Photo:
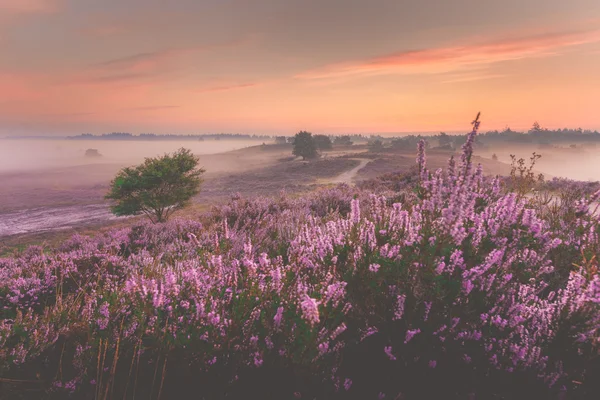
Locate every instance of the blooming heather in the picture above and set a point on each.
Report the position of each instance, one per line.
(462, 273)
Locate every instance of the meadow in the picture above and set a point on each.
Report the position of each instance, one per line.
(444, 283)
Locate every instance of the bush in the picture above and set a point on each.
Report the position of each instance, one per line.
(92, 153)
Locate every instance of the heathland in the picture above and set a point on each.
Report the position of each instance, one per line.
(370, 273)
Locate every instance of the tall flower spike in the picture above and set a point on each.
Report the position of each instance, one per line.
(421, 160)
(467, 148)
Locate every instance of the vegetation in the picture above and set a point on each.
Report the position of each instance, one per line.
(376, 146)
(343, 141)
(444, 140)
(452, 286)
(304, 145)
(158, 187)
(92, 153)
(323, 142)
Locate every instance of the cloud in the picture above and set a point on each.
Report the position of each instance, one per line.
(20, 86)
(474, 77)
(227, 87)
(151, 108)
(103, 31)
(116, 78)
(66, 115)
(29, 6)
(452, 58)
(147, 65)
(136, 68)
(142, 62)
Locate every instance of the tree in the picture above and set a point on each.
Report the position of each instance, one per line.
(536, 127)
(280, 140)
(444, 139)
(92, 153)
(494, 157)
(304, 145)
(158, 187)
(343, 140)
(376, 146)
(323, 142)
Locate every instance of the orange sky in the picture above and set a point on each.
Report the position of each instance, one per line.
(279, 66)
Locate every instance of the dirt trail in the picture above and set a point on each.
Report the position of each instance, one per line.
(49, 218)
(348, 176)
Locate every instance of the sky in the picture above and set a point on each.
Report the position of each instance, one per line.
(280, 66)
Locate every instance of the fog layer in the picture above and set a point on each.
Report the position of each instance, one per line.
(28, 155)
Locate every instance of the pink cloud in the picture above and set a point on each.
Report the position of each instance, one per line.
(103, 31)
(151, 108)
(132, 69)
(144, 66)
(474, 77)
(19, 87)
(451, 58)
(29, 6)
(227, 87)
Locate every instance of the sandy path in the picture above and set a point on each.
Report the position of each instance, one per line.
(49, 219)
(349, 175)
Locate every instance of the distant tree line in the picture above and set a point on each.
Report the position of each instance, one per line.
(536, 135)
(153, 136)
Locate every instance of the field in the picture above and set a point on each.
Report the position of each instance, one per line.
(51, 204)
(456, 286)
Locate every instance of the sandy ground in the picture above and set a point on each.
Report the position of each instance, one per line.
(349, 176)
(52, 218)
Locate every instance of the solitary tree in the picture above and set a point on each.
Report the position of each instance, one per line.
(304, 145)
(323, 142)
(158, 187)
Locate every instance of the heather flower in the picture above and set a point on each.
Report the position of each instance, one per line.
(310, 310)
(374, 267)
(355, 211)
(388, 352)
(104, 316)
(410, 334)
(399, 307)
(347, 384)
(427, 310)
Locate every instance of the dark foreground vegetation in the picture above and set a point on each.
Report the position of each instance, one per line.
(450, 285)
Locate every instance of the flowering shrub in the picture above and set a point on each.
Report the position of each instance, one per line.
(342, 293)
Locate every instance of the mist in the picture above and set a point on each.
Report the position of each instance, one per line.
(47, 180)
(29, 155)
(579, 163)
